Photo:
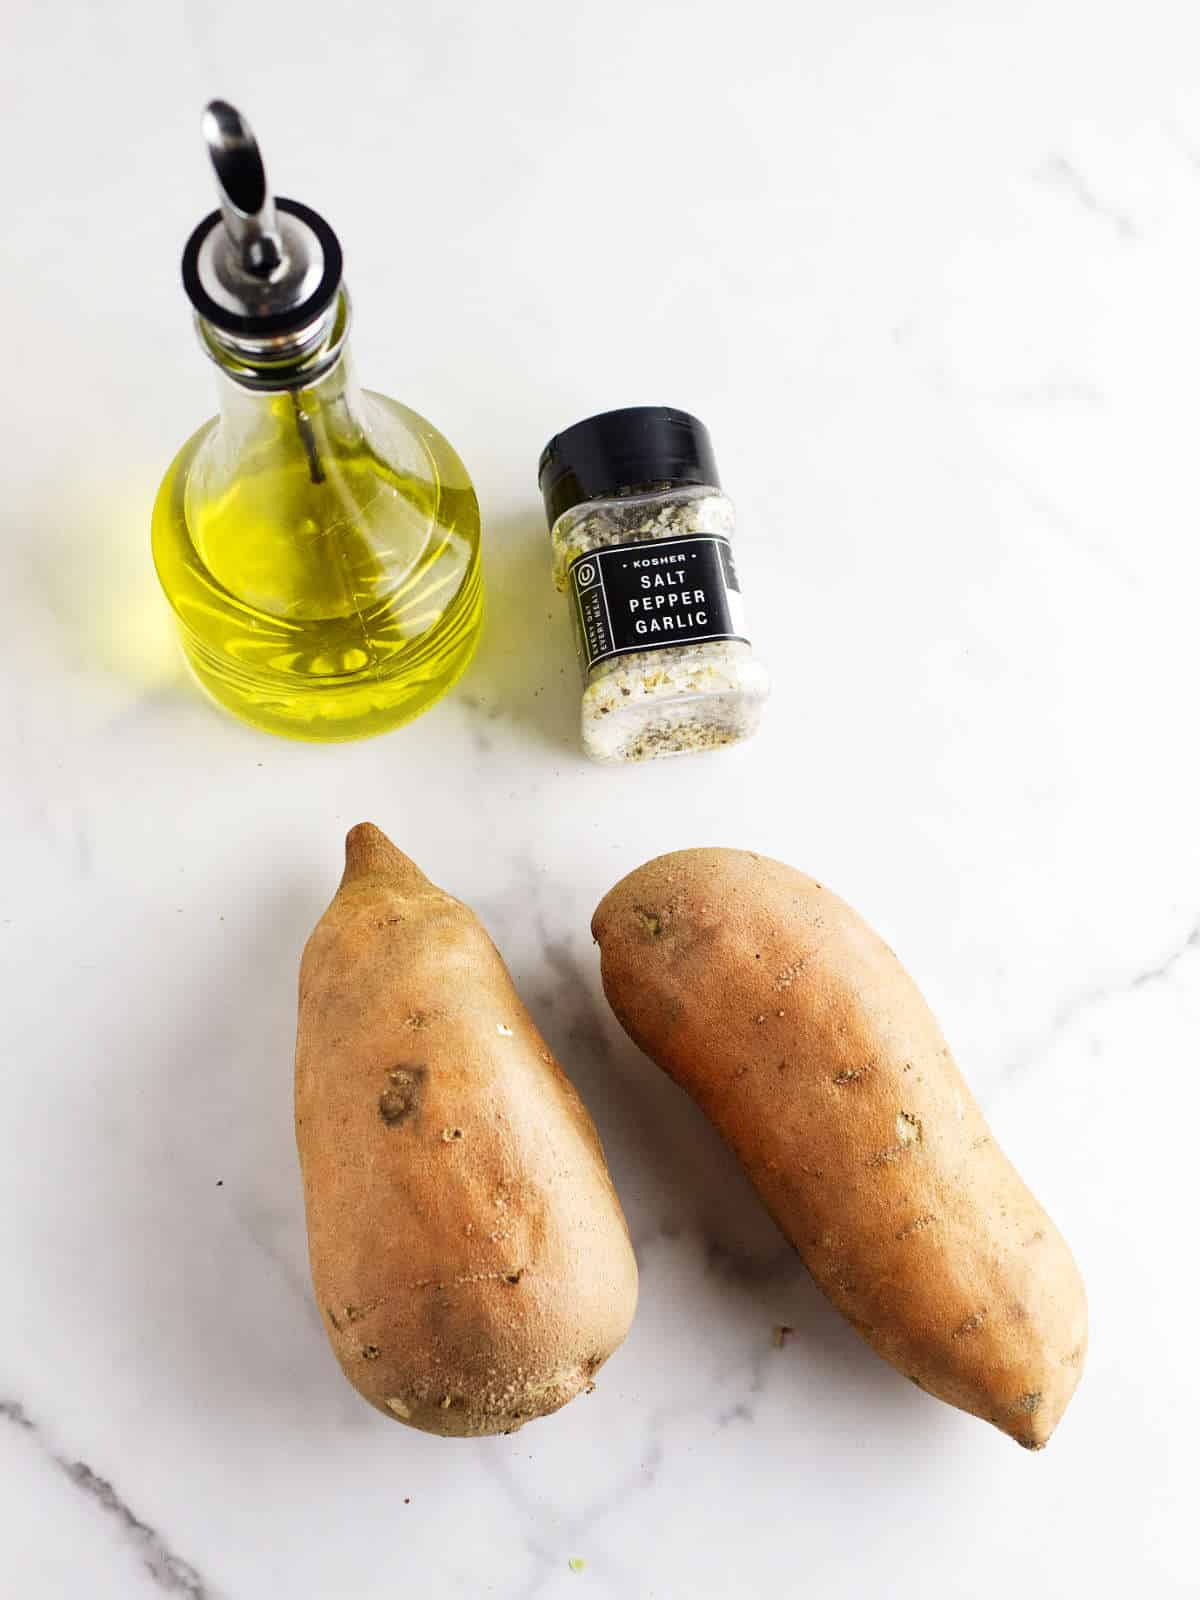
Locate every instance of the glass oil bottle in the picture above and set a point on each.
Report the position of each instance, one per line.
(318, 543)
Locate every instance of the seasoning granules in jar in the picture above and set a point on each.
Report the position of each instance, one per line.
(642, 539)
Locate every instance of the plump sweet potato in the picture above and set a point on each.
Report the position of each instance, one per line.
(809, 1047)
(469, 1254)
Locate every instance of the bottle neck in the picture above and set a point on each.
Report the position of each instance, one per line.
(290, 400)
(319, 424)
(335, 397)
(277, 361)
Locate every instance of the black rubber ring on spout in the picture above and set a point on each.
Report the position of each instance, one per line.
(281, 321)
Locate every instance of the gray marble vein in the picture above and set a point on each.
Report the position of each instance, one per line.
(1062, 174)
(1083, 1003)
(1184, 145)
(1166, 967)
(1058, 521)
(169, 1572)
(16, 1414)
(268, 1228)
(574, 1541)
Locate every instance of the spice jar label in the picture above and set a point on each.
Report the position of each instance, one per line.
(648, 596)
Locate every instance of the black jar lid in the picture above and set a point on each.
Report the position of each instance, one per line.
(617, 451)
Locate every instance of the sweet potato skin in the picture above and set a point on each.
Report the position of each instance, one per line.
(805, 1042)
(469, 1256)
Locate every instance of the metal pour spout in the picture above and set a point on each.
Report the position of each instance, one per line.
(264, 275)
(247, 204)
(259, 265)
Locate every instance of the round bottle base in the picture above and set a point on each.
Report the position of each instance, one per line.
(334, 713)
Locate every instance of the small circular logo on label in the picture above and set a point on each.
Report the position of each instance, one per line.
(585, 574)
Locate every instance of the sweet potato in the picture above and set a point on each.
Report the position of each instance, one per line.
(806, 1043)
(469, 1255)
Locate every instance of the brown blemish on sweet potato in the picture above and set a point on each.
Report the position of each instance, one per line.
(854, 1074)
(884, 1158)
(916, 1225)
(908, 1128)
(908, 1134)
(357, 1313)
(970, 1325)
(512, 1275)
(402, 1097)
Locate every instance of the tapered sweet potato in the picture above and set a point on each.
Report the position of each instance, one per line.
(469, 1254)
(803, 1039)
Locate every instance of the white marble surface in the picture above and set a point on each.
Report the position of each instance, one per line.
(930, 274)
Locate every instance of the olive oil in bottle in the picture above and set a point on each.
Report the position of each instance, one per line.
(318, 544)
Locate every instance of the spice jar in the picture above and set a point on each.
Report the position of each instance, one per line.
(642, 539)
